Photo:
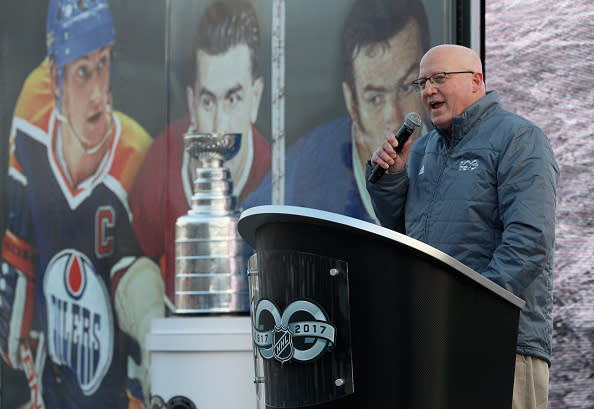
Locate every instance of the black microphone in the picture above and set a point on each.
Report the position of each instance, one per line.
(411, 122)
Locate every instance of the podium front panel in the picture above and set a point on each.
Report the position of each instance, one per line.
(423, 333)
(301, 327)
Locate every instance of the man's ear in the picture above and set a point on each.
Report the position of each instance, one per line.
(256, 98)
(348, 101)
(191, 107)
(477, 81)
(53, 71)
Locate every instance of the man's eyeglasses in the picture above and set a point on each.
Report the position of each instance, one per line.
(436, 79)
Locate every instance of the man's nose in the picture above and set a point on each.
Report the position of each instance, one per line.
(429, 89)
(97, 89)
(395, 115)
(221, 120)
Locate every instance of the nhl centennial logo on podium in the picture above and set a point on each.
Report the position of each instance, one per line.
(303, 322)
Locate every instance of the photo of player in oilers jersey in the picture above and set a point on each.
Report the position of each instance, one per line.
(76, 297)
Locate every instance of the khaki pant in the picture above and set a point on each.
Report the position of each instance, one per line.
(531, 383)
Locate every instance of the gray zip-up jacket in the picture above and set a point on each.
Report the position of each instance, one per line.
(487, 198)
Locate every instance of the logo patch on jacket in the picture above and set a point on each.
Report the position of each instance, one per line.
(467, 165)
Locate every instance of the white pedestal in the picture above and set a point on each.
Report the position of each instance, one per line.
(208, 360)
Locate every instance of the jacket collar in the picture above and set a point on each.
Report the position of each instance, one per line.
(462, 124)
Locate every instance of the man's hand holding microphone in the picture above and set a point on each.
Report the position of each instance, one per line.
(391, 156)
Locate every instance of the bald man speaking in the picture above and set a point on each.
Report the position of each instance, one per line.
(481, 187)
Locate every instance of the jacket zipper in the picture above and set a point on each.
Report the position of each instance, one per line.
(444, 158)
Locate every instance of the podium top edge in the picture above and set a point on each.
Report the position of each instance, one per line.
(254, 217)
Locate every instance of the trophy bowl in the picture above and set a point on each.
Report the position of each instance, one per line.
(216, 145)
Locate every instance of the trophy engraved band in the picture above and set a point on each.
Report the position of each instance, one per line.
(210, 255)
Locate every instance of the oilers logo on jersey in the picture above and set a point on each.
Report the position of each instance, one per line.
(80, 333)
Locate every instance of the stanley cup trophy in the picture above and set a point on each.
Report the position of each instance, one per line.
(209, 337)
(210, 256)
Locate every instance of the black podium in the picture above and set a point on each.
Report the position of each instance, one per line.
(347, 314)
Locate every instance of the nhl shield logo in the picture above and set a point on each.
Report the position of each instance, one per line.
(283, 344)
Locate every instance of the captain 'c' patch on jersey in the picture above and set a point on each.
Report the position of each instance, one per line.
(79, 318)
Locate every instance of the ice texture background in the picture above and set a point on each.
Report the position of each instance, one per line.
(539, 55)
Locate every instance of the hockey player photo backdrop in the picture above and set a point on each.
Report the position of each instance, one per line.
(98, 90)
